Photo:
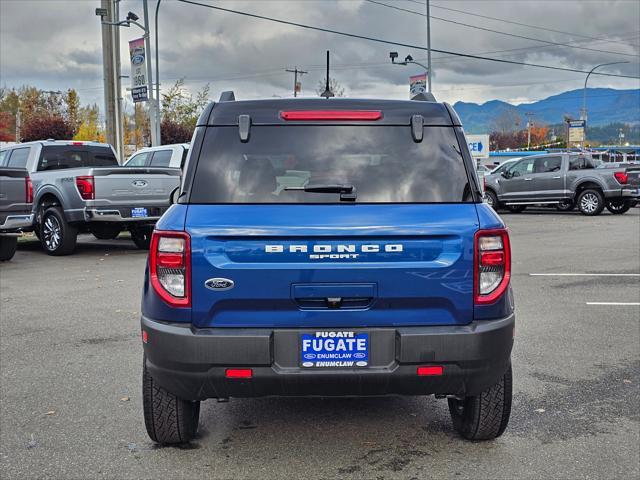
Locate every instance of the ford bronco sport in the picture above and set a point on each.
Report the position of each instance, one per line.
(328, 248)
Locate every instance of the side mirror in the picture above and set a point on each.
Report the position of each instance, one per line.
(173, 199)
(505, 174)
(515, 174)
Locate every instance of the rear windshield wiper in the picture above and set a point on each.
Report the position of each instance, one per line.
(347, 192)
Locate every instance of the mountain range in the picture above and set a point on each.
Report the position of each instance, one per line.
(604, 106)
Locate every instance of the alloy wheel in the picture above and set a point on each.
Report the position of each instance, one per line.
(51, 233)
(589, 202)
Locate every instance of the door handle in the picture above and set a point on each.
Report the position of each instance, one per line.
(557, 176)
(528, 179)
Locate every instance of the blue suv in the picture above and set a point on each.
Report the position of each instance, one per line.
(328, 248)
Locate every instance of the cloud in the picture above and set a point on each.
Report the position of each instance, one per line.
(250, 55)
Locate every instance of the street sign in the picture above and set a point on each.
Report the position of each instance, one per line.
(576, 130)
(478, 145)
(139, 82)
(417, 85)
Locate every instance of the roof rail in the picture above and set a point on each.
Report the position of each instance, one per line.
(227, 96)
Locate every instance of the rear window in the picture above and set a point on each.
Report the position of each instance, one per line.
(18, 158)
(382, 163)
(75, 156)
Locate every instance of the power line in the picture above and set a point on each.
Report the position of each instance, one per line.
(556, 44)
(537, 27)
(399, 44)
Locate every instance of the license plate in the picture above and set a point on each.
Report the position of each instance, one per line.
(334, 349)
(139, 212)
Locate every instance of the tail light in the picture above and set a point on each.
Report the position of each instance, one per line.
(28, 188)
(621, 177)
(170, 267)
(492, 265)
(86, 187)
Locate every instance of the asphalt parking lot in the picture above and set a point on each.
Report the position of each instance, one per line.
(70, 365)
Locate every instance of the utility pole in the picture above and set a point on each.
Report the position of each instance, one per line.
(119, 145)
(428, 49)
(295, 72)
(529, 125)
(108, 71)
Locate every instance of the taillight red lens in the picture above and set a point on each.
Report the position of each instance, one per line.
(492, 265)
(86, 187)
(170, 267)
(353, 115)
(621, 177)
(28, 187)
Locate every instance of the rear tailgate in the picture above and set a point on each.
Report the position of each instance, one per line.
(633, 176)
(332, 265)
(13, 194)
(134, 187)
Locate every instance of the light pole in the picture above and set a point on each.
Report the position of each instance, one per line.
(409, 60)
(428, 48)
(584, 90)
(157, 77)
(132, 19)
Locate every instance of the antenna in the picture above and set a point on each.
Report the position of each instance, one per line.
(327, 91)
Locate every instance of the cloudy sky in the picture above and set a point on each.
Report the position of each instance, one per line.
(56, 45)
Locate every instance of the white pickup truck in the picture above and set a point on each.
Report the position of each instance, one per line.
(79, 187)
(172, 156)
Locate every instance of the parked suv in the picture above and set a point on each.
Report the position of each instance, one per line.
(328, 248)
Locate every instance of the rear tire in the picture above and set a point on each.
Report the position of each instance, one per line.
(618, 207)
(105, 231)
(566, 206)
(141, 236)
(590, 202)
(492, 200)
(485, 416)
(56, 235)
(8, 246)
(516, 208)
(168, 419)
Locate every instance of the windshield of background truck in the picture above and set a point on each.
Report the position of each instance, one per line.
(76, 156)
(383, 163)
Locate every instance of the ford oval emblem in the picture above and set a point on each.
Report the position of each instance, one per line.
(219, 284)
(139, 183)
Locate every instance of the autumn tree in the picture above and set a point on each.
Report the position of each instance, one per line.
(7, 134)
(89, 128)
(174, 132)
(181, 108)
(44, 127)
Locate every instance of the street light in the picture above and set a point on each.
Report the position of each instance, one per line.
(584, 90)
(132, 18)
(407, 60)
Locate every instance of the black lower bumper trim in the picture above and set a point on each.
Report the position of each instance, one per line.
(191, 363)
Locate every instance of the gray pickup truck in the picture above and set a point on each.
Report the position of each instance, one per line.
(566, 180)
(16, 196)
(79, 187)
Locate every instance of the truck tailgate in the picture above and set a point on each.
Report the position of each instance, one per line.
(332, 265)
(134, 186)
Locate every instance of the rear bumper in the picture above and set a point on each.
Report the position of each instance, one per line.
(120, 214)
(191, 363)
(13, 223)
(627, 193)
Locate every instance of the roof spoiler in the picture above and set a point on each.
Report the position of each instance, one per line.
(227, 96)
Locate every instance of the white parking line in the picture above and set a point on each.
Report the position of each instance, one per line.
(584, 274)
(626, 304)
